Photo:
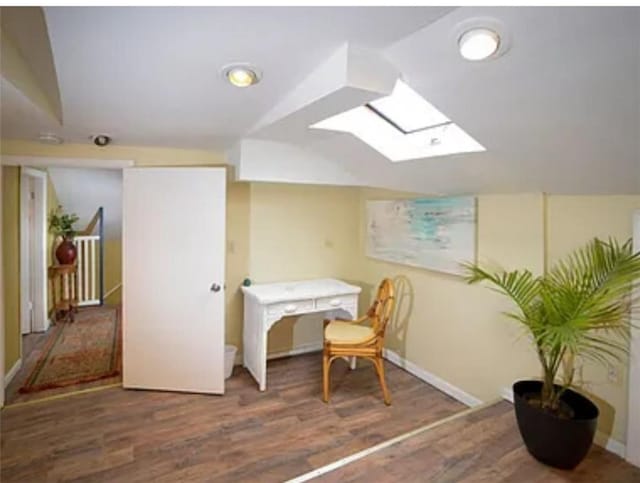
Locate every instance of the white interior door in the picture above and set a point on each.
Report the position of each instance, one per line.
(173, 279)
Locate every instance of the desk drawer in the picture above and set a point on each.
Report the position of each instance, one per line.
(291, 308)
(337, 302)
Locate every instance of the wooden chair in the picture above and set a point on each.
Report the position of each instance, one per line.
(347, 338)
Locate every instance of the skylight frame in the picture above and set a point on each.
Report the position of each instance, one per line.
(375, 128)
(386, 118)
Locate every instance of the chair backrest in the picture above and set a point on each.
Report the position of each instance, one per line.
(382, 308)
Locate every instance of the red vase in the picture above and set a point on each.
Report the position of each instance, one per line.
(66, 252)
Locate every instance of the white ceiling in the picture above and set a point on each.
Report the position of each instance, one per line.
(559, 112)
(152, 76)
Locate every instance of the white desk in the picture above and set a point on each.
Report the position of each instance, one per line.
(265, 304)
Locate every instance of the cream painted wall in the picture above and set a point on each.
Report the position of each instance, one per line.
(11, 263)
(301, 232)
(457, 332)
(113, 270)
(571, 222)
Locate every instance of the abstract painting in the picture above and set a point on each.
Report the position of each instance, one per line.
(433, 233)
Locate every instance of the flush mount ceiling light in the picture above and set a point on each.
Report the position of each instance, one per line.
(478, 44)
(49, 138)
(241, 75)
(403, 126)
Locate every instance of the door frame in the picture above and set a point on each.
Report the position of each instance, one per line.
(632, 450)
(39, 278)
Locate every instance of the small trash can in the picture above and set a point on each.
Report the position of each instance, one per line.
(229, 359)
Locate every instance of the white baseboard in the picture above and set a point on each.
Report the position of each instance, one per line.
(612, 445)
(12, 372)
(432, 379)
(301, 349)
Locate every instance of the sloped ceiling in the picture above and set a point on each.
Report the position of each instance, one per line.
(27, 61)
(559, 112)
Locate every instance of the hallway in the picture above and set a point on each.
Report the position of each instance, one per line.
(70, 357)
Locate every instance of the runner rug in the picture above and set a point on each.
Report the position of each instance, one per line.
(83, 351)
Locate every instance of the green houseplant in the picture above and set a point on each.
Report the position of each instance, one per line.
(61, 226)
(579, 309)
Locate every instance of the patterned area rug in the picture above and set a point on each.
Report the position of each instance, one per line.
(86, 350)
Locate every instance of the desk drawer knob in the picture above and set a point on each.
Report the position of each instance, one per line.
(334, 302)
(290, 308)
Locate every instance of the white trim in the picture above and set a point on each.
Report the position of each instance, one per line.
(429, 378)
(385, 444)
(40, 319)
(8, 377)
(507, 394)
(612, 445)
(301, 349)
(47, 162)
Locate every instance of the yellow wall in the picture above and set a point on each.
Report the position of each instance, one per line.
(11, 263)
(113, 270)
(453, 330)
(457, 332)
(301, 232)
(571, 222)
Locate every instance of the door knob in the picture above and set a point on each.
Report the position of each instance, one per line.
(215, 287)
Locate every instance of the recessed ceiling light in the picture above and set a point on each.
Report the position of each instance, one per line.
(478, 44)
(49, 138)
(242, 75)
(101, 140)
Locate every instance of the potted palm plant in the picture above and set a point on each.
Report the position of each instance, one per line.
(61, 225)
(579, 309)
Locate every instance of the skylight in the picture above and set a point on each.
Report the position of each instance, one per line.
(403, 126)
(407, 110)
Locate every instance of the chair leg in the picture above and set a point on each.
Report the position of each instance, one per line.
(379, 365)
(326, 364)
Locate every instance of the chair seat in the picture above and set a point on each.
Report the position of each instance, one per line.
(346, 333)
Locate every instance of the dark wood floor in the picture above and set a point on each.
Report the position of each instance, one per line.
(119, 435)
(484, 446)
(32, 345)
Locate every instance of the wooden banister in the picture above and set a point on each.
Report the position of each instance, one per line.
(92, 224)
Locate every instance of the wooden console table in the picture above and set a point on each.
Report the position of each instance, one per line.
(63, 280)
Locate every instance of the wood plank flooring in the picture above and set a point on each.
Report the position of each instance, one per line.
(483, 446)
(129, 436)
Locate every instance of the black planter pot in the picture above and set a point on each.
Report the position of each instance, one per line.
(561, 443)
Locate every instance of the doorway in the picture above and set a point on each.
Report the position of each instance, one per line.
(33, 251)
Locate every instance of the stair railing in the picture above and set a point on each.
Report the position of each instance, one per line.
(90, 261)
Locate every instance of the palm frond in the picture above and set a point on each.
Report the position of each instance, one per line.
(582, 307)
